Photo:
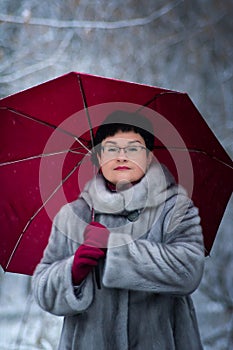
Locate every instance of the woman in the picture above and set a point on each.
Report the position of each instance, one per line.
(146, 242)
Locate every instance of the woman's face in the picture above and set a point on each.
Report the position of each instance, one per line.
(124, 158)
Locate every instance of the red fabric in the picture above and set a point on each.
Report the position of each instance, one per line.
(96, 235)
(85, 259)
(28, 129)
(88, 254)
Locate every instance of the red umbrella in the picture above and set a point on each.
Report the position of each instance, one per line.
(45, 133)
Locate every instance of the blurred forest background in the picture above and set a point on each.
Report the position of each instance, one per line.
(180, 45)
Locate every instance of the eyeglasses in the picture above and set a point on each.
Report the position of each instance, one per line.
(131, 152)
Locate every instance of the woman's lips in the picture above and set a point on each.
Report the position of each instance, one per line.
(122, 168)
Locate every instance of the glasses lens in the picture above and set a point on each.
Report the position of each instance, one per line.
(130, 151)
(133, 151)
(111, 151)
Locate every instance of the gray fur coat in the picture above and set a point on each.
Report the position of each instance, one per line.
(154, 261)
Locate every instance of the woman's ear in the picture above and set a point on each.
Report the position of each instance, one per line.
(149, 159)
(98, 159)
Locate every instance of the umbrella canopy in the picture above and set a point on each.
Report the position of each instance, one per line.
(45, 135)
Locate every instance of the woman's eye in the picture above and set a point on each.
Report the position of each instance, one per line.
(112, 149)
(132, 149)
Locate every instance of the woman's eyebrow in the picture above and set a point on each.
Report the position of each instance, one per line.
(134, 141)
(113, 142)
(129, 142)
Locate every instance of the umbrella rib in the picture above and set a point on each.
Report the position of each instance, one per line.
(38, 211)
(195, 151)
(97, 272)
(176, 148)
(41, 155)
(46, 124)
(88, 119)
(86, 109)
(155, 97)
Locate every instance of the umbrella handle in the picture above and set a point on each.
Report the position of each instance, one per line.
(92, 214)
(97, 276)
(97, 268)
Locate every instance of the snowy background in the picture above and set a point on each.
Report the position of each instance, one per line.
(180, 45)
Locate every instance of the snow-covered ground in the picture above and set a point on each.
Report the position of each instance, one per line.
(23, 325)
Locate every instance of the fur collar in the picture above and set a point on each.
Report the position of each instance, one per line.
(153, 189)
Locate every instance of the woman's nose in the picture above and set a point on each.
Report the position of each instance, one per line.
(122, 154)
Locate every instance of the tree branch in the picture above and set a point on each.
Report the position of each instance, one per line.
(48, 22)
(40, 65)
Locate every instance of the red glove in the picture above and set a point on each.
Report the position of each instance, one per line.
(96, 235)
(85, 259)
(89, 253)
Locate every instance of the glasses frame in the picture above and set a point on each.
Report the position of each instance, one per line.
(118, 148)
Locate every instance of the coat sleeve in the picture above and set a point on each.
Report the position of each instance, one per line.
(172, 266)
(52, 279)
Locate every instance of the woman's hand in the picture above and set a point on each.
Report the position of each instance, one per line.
(90, 252)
